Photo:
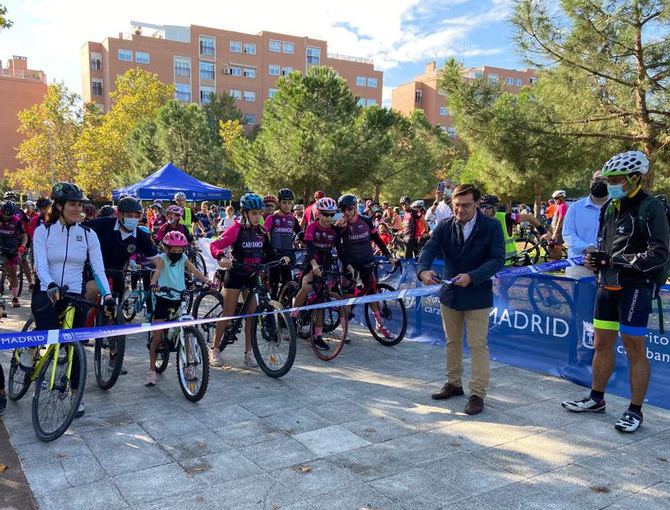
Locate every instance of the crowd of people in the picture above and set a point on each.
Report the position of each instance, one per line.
(83, 249)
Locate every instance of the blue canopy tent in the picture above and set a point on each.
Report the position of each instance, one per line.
(167, 181)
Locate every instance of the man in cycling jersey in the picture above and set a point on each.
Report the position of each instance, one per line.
(13, 241)
(356, 233)
(414, 223)
(633, 251)
(311, 213)
(120, 239)
(25, 217)
(283, 229)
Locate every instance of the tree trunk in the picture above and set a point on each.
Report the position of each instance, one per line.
(377, 191)
(306, 198)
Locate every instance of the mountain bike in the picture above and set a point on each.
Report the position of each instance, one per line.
(195, 256)
(133, 301)
(188, 344)
(273, 337)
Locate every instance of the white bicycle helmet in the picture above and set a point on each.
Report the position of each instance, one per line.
(558, 193)
(626, 163)
(417, 203)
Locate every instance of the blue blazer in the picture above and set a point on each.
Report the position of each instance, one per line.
(482, 256)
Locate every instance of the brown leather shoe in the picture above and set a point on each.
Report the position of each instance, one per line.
(475, 405)
(447, 391)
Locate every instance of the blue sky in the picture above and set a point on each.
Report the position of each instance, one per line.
(400, 36)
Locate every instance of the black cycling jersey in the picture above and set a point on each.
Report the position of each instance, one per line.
(354, 241)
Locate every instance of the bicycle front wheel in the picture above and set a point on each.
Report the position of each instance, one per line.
(128, 305)
(108, 354)
(335, 327)
(193, 366)
(19, 378)
(394, 318)
(54, 402)
(199, 262)
(208, 305)
(273, 340)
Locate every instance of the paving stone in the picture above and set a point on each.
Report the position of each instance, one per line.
(213, 469)
(248, 432)
(278, 453)
(193, 444)
(359, 497)
(296, 421)
(76, 498)
(330, 440)
(339, 411)
(656, 497)
(153, 483)
(371, 462)
(377, 429)
(314, 478)
(39, 452)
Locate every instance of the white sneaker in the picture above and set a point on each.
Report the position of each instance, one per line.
(250, 360)
(215, 357)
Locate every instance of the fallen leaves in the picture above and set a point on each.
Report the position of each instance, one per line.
(201, 444)
(3, 468)
(662, 459)
(305, 468)
(601, 490)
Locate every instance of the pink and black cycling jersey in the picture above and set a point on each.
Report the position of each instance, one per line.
(282, 228)
(320, 243)
(355, 238)
(249, 245)
(11, 231)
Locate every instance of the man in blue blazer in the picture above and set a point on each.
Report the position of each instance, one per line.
(473, 249)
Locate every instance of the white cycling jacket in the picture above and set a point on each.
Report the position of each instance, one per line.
(60, 255)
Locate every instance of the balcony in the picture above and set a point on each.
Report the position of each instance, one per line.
(360, 60)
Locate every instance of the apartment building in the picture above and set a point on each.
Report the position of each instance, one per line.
(423, 92)
(201, 60)
(20, 88)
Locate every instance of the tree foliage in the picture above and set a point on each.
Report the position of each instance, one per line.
(4, 22)
(50, 129)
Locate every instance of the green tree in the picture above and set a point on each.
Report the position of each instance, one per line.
(221, 109)
(607, 65)
(4, 22)
(50, 129)
(103, 160)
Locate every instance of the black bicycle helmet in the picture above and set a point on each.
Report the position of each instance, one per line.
(8, 208)
(347, 200)
(129, 204)
(406, 200)
(43, 202)
(106, 210)
(64, 191)
(10, 195)
(490, 199)
(285, 194)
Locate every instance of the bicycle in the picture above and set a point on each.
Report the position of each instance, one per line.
(54, 404)
(276, 327)
(333, 320)
(132, 301)
(195, 256)
(189, 345)
(208, 305)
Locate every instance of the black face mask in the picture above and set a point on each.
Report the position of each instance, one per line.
(175, 257)
(599, 189)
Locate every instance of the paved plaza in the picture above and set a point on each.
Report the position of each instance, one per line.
(357, 432)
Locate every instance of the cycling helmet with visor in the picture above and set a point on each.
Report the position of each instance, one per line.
(626, 163)
(326, 204)
(175, 239)
(8, 208)
(347, 200)
(64, 191)
(129, 205)
(251, 201)
(285, 194)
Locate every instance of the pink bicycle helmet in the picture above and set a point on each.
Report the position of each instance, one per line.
(368, 203)
(175, 209)
(326, 204)
(175, 239)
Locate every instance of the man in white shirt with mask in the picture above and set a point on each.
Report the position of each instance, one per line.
(440, 209)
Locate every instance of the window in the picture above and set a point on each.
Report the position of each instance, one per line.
(272, 93)
(182, 67)
(476, 74)
(372, 82)
(235, 46)
(510, 81)
(287, 70)
(274, 70)
(443, 110)
(443, 128)
(96, 87)
(249, 95)
(249, 72)
(207, 45)
(493, 79)
(313, 55)
(361, 81)
(206, 93)
(372, 102)
(142, 57)
(126, 55)
(235, 71)
(182, 92)
(249, 118)
(250, 48)
(207, 70)
(532, 79)
(519, 82)
(417, 96)
(360, 102)
(96, 61)
(237, 94)
(275, 46)
(451, 132)
(288, 47)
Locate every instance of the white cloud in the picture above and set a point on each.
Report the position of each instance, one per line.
(51, 33)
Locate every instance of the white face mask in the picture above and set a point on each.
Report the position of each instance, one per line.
(130, 224)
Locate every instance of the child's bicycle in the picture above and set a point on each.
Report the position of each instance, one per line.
(52, 367)
(188, 344)
(132, 300)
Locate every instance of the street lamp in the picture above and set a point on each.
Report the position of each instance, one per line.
(51, 151)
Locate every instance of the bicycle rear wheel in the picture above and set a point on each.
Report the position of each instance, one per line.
(394, 315)
(273, 340)
(335, 327)
(19, 378)
(199, 262)
(287, 293)
(108, 354)
(194, 386)
(54, 406)
(208, 305)
(162, 352)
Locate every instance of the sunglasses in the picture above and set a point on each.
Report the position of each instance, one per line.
(486, 206)
(328, 214)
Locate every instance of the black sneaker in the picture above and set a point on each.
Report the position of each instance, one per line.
(3, 404)
(15, 302)
(629, 422)
(586, 404)
(320, 344)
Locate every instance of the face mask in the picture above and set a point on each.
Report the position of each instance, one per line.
(599, 189)
(616, 191)
(175, 257)
(173, 220)
(447, 193)
(130, 223)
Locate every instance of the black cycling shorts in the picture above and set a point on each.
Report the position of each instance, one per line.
(236, 280)
(366, 273)
(626, 310)
(164, 307)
